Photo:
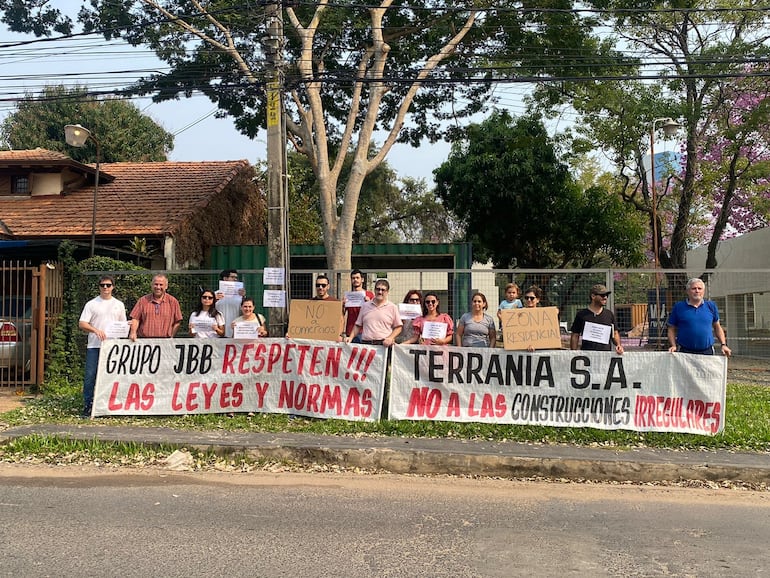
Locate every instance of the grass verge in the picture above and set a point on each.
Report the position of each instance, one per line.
(747, 426)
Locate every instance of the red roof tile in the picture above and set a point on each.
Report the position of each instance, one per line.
(143, 199)
(36, 155)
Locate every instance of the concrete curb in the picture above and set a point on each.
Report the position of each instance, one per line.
(438, 456)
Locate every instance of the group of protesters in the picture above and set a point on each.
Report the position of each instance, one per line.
(371, 318)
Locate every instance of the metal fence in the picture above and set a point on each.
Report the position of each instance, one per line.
(641, 298)
(30, 305)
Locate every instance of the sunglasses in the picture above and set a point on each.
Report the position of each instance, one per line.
(602, 295)
(380, 290)
(530, 297)
(207, 296)
(430, 302)
(321, 285)
(105, 284)
(414, 300)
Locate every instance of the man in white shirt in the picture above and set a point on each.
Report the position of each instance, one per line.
(229, 305)
(96, 317)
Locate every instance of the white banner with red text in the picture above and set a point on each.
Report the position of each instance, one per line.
(639, 391)
(190, 376)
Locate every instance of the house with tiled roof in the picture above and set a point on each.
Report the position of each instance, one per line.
(179, 208)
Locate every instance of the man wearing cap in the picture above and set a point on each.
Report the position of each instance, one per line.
(596, 325)
(693, 323)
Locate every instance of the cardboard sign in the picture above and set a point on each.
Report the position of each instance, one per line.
(536, 326)
(315, 319)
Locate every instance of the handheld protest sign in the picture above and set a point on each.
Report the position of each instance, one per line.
(536, 326)
(314, 319)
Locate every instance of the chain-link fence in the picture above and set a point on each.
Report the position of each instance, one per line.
(640, 298)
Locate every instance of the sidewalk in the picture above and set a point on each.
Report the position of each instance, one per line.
(438, 456)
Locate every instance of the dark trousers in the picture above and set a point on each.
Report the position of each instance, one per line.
(707, 351)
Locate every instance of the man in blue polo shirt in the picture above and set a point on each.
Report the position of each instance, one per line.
(693, 323)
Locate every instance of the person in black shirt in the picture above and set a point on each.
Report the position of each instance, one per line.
(596, 325)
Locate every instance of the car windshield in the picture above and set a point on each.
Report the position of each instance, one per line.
(16, 307)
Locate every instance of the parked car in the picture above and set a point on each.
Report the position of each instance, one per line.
(15, 333)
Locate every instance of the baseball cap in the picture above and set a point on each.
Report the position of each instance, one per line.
(599, 290)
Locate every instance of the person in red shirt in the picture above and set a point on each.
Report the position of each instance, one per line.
(351, 311)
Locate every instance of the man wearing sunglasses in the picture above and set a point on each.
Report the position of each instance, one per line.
(595, 325)
(96, 317)
(322, 288)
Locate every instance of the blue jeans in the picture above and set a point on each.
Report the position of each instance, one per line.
(89, 383)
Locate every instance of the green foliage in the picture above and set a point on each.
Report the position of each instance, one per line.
(521, 207)
(65, 361)
(390, 210)
(129, 286)
(305, 226)
(34, 16)
(64, 371)
(123, 132)
(393, 211)
(350, 71)
(139, 245)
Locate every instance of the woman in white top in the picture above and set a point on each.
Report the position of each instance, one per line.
(205, 321)
(249, 316)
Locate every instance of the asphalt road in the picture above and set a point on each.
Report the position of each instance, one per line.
(67, 521)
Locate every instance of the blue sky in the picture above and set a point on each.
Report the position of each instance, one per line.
(199, 135)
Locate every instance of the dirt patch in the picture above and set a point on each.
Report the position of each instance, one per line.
(12, 398)
(749, 370)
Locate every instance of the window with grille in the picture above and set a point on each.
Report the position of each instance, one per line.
(20, 185)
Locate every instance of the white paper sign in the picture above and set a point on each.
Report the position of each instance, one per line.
(433, 330)
(203, 324)
(246, 330)
(274, 298)
(117, 329)
(230, 288)
(597, 333)
(273, 275)
(410, 310)
(355, 298)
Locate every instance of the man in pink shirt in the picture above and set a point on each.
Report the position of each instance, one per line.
(379, 321)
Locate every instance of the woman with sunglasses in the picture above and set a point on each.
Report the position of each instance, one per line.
(433, 315)
(476, 328)
(532, 297)
(205, 321)
(413, 297)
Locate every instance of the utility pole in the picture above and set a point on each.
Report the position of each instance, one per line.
(277, 197)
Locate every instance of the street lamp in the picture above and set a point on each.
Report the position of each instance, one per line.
(77, 136)
(669, 126)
